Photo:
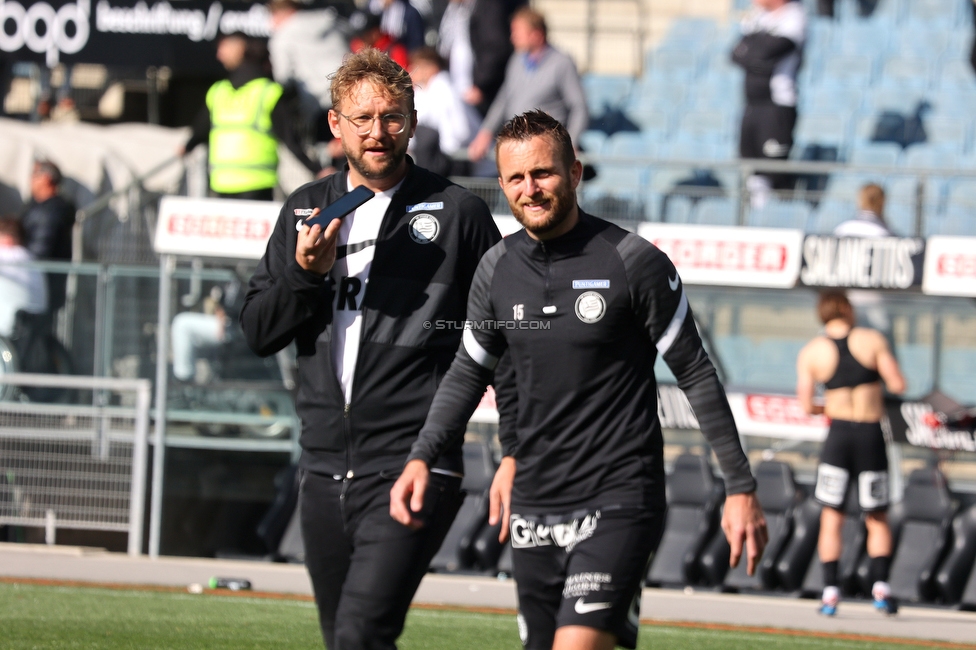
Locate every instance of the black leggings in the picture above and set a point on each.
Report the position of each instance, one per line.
(365, 567)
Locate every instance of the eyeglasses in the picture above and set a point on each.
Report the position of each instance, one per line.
(392, 123)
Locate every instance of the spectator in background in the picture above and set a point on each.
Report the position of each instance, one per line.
(770, 51)
(475, 39)
(538, 76)
(869, 306)
(244, 118)
(445, 124)
(401, 20)
(21, 288)
(305, 48)
(47, 223)
(369, 33)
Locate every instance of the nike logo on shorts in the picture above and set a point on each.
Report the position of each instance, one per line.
(585, 608)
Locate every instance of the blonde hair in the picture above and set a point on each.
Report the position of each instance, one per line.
(377, 68)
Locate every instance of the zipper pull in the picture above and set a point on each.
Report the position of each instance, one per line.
(345, 410)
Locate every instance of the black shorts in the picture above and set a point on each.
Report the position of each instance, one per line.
(853, 449)
(588, 572)
(767, 131)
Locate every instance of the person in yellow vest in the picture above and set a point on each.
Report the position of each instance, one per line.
(244, 118)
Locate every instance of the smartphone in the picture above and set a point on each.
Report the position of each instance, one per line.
(340, 208)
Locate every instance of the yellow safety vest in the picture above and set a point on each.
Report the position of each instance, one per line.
(243, 151)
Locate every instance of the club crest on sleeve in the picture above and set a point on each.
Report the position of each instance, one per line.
(590, 307)
(424, 228)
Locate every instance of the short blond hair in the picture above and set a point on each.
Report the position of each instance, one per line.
(871, 198)
(377, 68)
(535, 20)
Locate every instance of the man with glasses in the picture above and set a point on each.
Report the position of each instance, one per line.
(374, 303)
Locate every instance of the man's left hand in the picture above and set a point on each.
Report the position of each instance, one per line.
(743, 521)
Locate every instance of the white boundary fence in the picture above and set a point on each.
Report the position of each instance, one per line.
(76, 466)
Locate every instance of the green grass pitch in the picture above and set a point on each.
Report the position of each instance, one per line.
(36, 616)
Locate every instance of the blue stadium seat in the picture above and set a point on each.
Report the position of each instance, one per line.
(679, 65)
(962, 193)
(900, 218)
(705, 123)
(957, 75)
(592, 141)
(931, 156)
(823, 129)
(828, 98)
(715, 211)
(845, 185)
(606, 90)
(882, 154)
(629, 144)
(907, 73)
(957, 378)
(780, 214)
(849, 71)
(652, 121)
(920, 43)
(957, 130)
(959, 220)
(916, 363)
(689, 29)
(612, 203)
(930, 14)
(677, 210)
(899, 98)
(829, 214)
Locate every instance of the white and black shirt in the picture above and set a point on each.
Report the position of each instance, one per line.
(770, 51)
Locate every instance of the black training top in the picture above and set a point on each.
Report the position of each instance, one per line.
(584, 317)
(850, 372)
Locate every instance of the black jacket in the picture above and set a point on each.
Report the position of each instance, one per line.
(47, 228)
(413, 284)
(584, 317)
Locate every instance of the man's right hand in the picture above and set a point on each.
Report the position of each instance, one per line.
(407, 494)
(316, 250)
(500, 496)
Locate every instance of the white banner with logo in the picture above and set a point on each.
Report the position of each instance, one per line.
(950, 266)
(741, 257)
(215, 227)
(775, 416)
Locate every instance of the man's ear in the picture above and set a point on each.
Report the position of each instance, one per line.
(334, 124)
(576, 173)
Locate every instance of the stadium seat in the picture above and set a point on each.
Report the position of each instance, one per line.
(693, 500)
(844, 186)
(776, 490)
(606, 90)
(900, 218)
(829, 214)
(591, 141)
(614, 203)
(628, 144)
(652, 121)
(853, 536)
(673, 64)
(479, 470)
(930, 157)
(823, 129)
(958, 565)
(957, 378)
(906, 73)
(715, 211)
(920, 529)
(918, 357)
(800, 549)
(849, 71)
(677, 209)
(700, 124)
(878, 154)
(780, 214)
(950, 130)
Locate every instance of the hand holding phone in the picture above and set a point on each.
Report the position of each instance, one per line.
(341, 207)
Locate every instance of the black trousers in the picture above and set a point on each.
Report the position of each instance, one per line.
(365, 567)
(865, 7)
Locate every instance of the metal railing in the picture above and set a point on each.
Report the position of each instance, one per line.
(75, 466)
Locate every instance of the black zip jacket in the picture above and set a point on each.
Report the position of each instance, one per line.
(584, 317)
(417, 276)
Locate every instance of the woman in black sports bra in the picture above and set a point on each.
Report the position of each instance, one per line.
(851, 363)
